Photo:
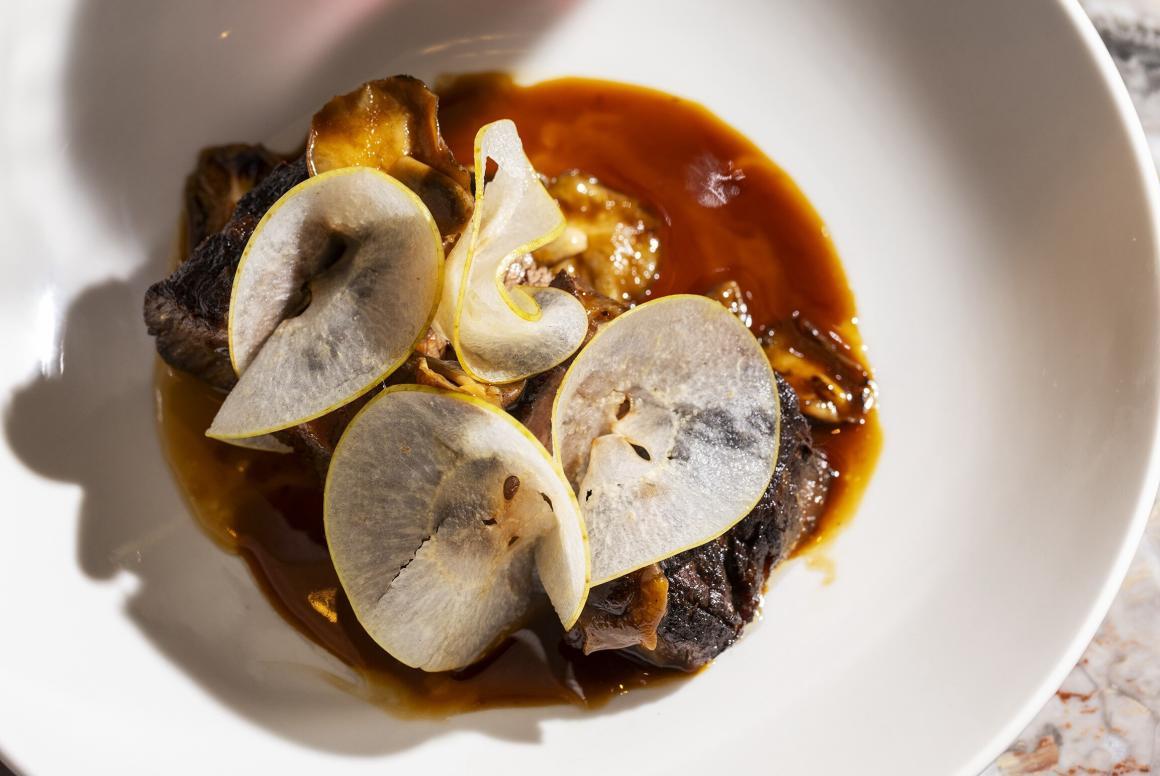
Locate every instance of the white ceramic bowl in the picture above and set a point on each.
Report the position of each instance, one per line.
(982, 173)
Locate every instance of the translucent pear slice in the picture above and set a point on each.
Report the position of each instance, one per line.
(503, 335)
(441, 512)
(666, 424)
(338, 282)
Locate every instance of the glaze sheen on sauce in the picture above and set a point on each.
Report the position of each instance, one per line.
(729, 214)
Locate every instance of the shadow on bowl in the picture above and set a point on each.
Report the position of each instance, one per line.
(138, 116)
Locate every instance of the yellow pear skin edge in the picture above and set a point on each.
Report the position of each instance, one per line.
(776, 433)
(438, 245)
(473, 235)
(488, 407)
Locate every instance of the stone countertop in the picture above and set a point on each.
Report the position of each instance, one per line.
(1105, 719)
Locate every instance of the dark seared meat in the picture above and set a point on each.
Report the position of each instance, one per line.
(393, 124)
(224, 174)
(316, 439)
(693, 605)
(393, 121)
(187, 311)
(715, 589)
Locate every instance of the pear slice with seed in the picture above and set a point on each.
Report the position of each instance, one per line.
(666, 424)
(444, 517)
(503, 335)
(338, 282)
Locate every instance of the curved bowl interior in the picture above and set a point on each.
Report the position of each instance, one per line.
(979, 169)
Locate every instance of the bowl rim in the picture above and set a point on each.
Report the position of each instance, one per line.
(1145, 501)
(1147, 497)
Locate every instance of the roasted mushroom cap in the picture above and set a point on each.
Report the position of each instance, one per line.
(612, 241)
(392, 124)
(832, 386)
(732, 297)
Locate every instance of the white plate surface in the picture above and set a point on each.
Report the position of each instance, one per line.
(980, 169)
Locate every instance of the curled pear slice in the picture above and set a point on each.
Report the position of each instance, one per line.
(338, 282)
(503, 335)
(441, 513)
(666, 424)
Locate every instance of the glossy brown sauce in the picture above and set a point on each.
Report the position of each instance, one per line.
(757, 230)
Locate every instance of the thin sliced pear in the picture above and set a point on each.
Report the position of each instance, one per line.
(441, 511)
(502, 335)
(666, 424)
(338, 282)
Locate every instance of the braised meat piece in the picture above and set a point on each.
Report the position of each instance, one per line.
(624, 614)
(714, 590)
(685, 610)
(391, 123)
(187, 311)
(224, 174)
